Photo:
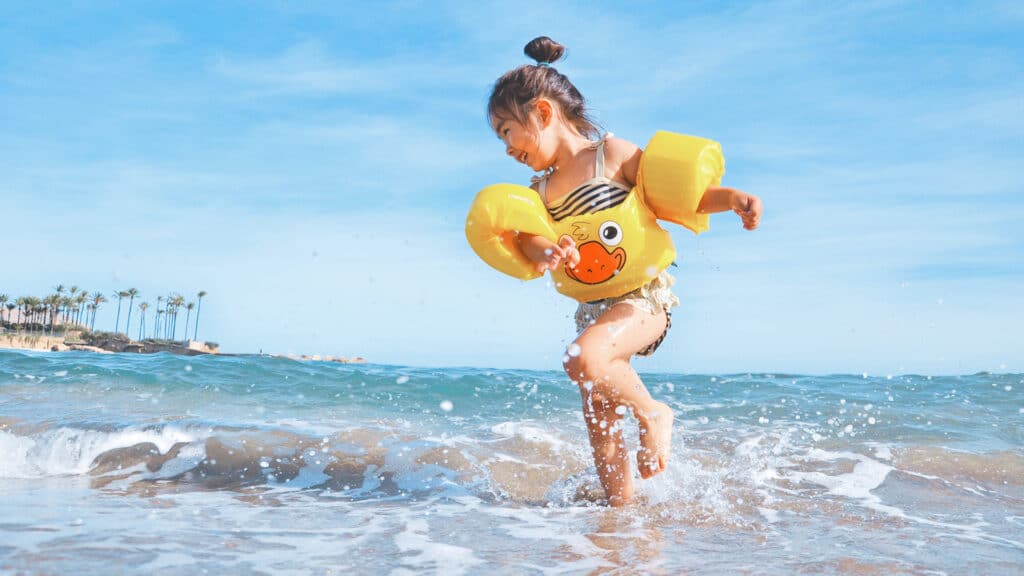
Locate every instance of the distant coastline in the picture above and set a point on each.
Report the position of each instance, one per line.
(322, 358)
(100, 343)
(119, 344)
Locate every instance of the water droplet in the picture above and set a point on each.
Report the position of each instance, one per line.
(401, 380)
(574, 350)
(446, 405)
(188, 368)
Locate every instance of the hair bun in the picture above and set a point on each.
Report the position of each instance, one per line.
(544, 49)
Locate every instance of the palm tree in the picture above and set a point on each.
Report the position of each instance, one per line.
(22, 304)
(81, 300)
(10, 309)
(120, 295)
(3, 301)
(66, 303)
(179, 301)
(199, 308)
(39, 312)
(131, 293)
(159, 313)
(142, 320)
(33, 311)
(168, 316)
(97, 299)
(52, 306)
(188, 307)
(156, 326)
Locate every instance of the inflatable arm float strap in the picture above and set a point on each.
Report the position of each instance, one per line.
(675, 170)
(497, 214)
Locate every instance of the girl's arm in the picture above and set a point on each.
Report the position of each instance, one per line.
(545, 254)
(720, 199)
(622, 159)
(715, 199)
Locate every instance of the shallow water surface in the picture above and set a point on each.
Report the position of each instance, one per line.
(256, 465)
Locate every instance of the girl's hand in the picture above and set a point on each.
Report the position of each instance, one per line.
(545, 254)
(568, 246)
(749, 209)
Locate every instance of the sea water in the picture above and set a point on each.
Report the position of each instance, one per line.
(165, 464)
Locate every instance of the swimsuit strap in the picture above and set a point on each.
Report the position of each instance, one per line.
(542, 183)
(599, 157)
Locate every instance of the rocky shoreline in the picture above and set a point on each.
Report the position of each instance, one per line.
(117, 344)
(111, 345)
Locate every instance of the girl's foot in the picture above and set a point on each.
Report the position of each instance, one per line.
(655, 439)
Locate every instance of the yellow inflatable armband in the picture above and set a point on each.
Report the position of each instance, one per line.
(675, 170)
(498, 213)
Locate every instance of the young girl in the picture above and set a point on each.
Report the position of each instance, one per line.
(543, 121)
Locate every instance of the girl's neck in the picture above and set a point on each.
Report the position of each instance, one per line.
(569, 145)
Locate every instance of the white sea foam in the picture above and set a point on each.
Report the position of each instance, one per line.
(421, 552)
(71, 451)
(528, 433)
(867, 475)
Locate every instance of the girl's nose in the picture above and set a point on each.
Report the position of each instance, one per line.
(510, 151)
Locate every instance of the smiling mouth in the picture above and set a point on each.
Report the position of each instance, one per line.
(522, 157)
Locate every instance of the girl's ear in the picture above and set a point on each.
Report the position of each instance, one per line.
(545, 112)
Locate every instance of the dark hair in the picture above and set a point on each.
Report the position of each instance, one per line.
(516, 90)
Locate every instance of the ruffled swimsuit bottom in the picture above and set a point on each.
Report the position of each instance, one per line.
(651, 298)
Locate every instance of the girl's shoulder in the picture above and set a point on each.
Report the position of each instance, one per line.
(616, 145)
(622, 157)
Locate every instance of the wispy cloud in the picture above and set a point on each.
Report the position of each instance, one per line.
(311, 68)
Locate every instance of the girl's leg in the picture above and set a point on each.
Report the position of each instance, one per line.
(607, 381)
(611, 458)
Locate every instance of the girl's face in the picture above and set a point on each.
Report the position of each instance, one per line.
(526, 143)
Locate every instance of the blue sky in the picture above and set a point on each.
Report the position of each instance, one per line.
(310, 168)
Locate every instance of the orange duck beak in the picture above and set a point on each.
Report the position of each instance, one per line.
(597, 264)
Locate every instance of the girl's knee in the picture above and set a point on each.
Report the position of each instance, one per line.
(584, 364)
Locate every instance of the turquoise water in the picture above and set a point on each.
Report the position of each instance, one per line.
(176, 465)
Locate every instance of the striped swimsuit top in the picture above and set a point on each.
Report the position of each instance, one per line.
(598, 193)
